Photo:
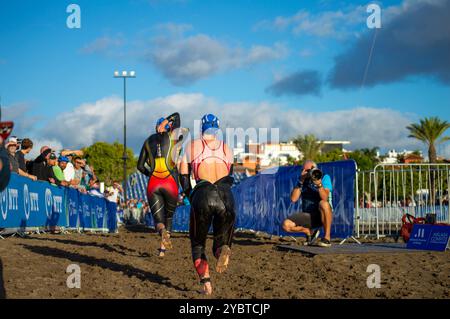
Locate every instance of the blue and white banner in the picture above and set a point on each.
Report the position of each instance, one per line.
(25, 203)
(263, 201)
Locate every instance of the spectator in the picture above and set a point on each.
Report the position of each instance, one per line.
(58, 169)
(26, 147)
(69, 170)
(113, 192)
(49, 174)
(39, 166)
(79, 178)
(11, 148)
(90, 177)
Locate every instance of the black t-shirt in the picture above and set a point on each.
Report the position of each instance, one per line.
(21, 159)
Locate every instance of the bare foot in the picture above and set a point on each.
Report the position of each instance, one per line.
(165, 239)
(161, 252)
(207, 288)
(224, 258)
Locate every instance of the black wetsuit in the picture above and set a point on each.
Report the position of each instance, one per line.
(163, 185)
(211, 203)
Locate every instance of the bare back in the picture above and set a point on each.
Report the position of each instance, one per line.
(210, 158)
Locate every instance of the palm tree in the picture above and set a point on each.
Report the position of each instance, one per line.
(430, 131)
(309, 146)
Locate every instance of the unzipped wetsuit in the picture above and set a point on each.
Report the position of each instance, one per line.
(163, 185)
(211, 203)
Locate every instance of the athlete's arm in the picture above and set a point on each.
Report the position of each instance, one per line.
(185, 181)
(185, 170)
(174, 119)
(143, 159)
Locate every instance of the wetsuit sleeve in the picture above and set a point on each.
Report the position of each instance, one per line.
(175, 120)
(185, 181)
(143, 159)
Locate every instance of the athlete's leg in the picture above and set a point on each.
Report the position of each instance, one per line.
(200, 220)
(157, 209)
(298, 223)
(171, 202)
(223, 229)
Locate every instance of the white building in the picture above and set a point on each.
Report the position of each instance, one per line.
(275, 154)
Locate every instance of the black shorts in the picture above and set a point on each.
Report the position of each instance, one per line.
(307, 220)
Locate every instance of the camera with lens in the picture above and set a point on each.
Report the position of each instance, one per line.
(315, 174)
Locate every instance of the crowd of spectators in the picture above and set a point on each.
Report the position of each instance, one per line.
(68, 168)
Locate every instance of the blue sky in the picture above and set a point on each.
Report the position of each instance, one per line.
(248, 53)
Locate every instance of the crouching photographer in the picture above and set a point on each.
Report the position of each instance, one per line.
(315, 190)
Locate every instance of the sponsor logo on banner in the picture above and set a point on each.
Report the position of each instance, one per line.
(48, 202)
(30, 202)
(52, 203)
(4, 203)
(72, 208)
(26, 201)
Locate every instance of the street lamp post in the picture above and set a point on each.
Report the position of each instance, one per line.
(124, 75)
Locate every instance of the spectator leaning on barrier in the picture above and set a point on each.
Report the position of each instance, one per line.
(11, 147)
(39, 166)
(80, 174)
(315, 189)
(58, 170)
(49, 172)
(25, 148)
(69, 170)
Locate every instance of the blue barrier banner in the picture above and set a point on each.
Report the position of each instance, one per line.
(72, 205)
(26, 203)
(263, 201)
(429, 237)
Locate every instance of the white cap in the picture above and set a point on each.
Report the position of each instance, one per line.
(11, 140)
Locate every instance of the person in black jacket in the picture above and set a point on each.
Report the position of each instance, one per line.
(39, 165)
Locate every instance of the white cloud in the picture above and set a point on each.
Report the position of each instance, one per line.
(340, 24)
(102, 121)
(104, 45)
(333, 24)
(53, 143)
(186, 59)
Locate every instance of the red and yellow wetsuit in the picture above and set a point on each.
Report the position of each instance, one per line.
(162, 191)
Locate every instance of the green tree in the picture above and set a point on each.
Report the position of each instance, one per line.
(430, 131)
(331, 156)
(365, 158)
(309, 146)
(107, 161)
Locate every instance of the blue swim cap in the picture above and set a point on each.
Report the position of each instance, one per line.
(209, 121)
(63, 159)
(158, 123)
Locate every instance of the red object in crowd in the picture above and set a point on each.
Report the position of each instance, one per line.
(6, 129)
